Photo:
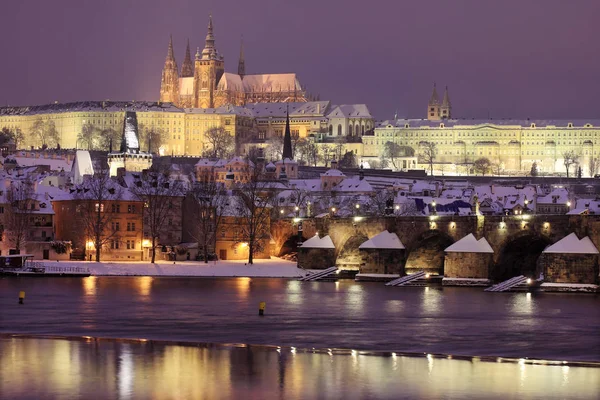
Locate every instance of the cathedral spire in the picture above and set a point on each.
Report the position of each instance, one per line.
(187, 69)
(446, 101)
(287, 138)
(209, 52)
(170, 54)
(242, 62)
(446, 108)
(435, 99)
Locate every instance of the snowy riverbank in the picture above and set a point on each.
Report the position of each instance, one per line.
(272, 268)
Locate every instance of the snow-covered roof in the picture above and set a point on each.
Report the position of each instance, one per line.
(383, 240)
(333, 172)
(350, 110)
(186, 85)
(231, 82)
(469, 244)
(55, 164)
(95, 106)
(286, 161)
(316, 242)
(354, 185)
(572, 245)
(526, 123)
(271, 82)
(82, 165)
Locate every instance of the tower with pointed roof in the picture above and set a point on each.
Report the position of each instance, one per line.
(129, 157)
(433, 109)
(287, 138)
(208, 69)
(169, 84)
(446, 107)
(187, 69)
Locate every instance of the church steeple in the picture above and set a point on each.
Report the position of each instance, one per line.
(287, 138)
(209, 52)
(433, 109)
(169, 84)
(446, 108)
(187, 69)
(242, 62)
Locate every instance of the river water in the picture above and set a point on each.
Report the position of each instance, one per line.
(306, 315)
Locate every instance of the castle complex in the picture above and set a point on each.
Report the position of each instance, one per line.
(205, 84)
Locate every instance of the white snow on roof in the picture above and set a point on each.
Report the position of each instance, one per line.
(186, 85)
(231, 82)
(469, 244)
(350, 110)
(271, 82)
(333, 172)
(572, 245)
(55, 164)
(383, 240)
(354, 185)
(316, 242)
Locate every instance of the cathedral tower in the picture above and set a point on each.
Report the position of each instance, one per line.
(169, 83)
(446, 108)
(208, 69)
(187, 69)
(433, 110)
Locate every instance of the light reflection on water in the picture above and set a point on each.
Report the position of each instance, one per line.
(39, 368)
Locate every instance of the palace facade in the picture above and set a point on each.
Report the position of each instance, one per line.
(511, 145)
(205, 84)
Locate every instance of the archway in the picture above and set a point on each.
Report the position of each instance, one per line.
(289, 249)
(428, 253)
(519, 256)
(349, 256)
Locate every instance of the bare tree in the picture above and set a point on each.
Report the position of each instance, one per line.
(391, 151)
(208, 208)
(482, 165)
(428, 154)
(88, 137)
(570, 157)
(45, 133)
(152, 138)
(308, 150)
(158, 192)
(95, 213)
(20, 197)
(594, 165)
(16, 135)
(348, 160)
(256, 199)
(275, 147)
(221, 143)
(110, 137)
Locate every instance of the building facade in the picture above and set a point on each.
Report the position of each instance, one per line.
(512, 146)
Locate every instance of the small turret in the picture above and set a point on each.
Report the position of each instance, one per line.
(169, 84)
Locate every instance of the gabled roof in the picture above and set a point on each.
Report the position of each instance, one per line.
(572, 245)
(316, 242)
(350, 110)
(469, 244)
(383, 240)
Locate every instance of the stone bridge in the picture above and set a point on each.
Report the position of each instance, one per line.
(517, 240)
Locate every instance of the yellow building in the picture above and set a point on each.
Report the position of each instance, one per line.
(512, 146)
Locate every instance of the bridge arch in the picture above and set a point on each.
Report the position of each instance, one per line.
(348, 256)
(290, 245)
(519, 255)
(427, 252)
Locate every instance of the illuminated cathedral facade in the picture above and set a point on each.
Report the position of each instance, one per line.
(205, 84)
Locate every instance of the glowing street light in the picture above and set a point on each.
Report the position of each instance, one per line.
(357, 206)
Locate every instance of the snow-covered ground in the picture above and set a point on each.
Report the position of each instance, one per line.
(273, 268)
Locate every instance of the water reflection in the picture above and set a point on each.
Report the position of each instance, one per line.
(242, 287)
(144, 287)
(38, 368)
(89, 285)
(431, 299)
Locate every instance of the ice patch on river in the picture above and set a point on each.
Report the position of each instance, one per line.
(272, 268)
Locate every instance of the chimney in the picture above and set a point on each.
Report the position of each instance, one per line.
(334, 164)
(492, 188)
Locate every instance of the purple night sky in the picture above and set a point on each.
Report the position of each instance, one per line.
(508, 58)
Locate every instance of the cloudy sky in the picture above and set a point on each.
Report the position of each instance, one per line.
(508, 58)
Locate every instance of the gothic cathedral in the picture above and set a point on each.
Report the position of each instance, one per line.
(205, 84)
